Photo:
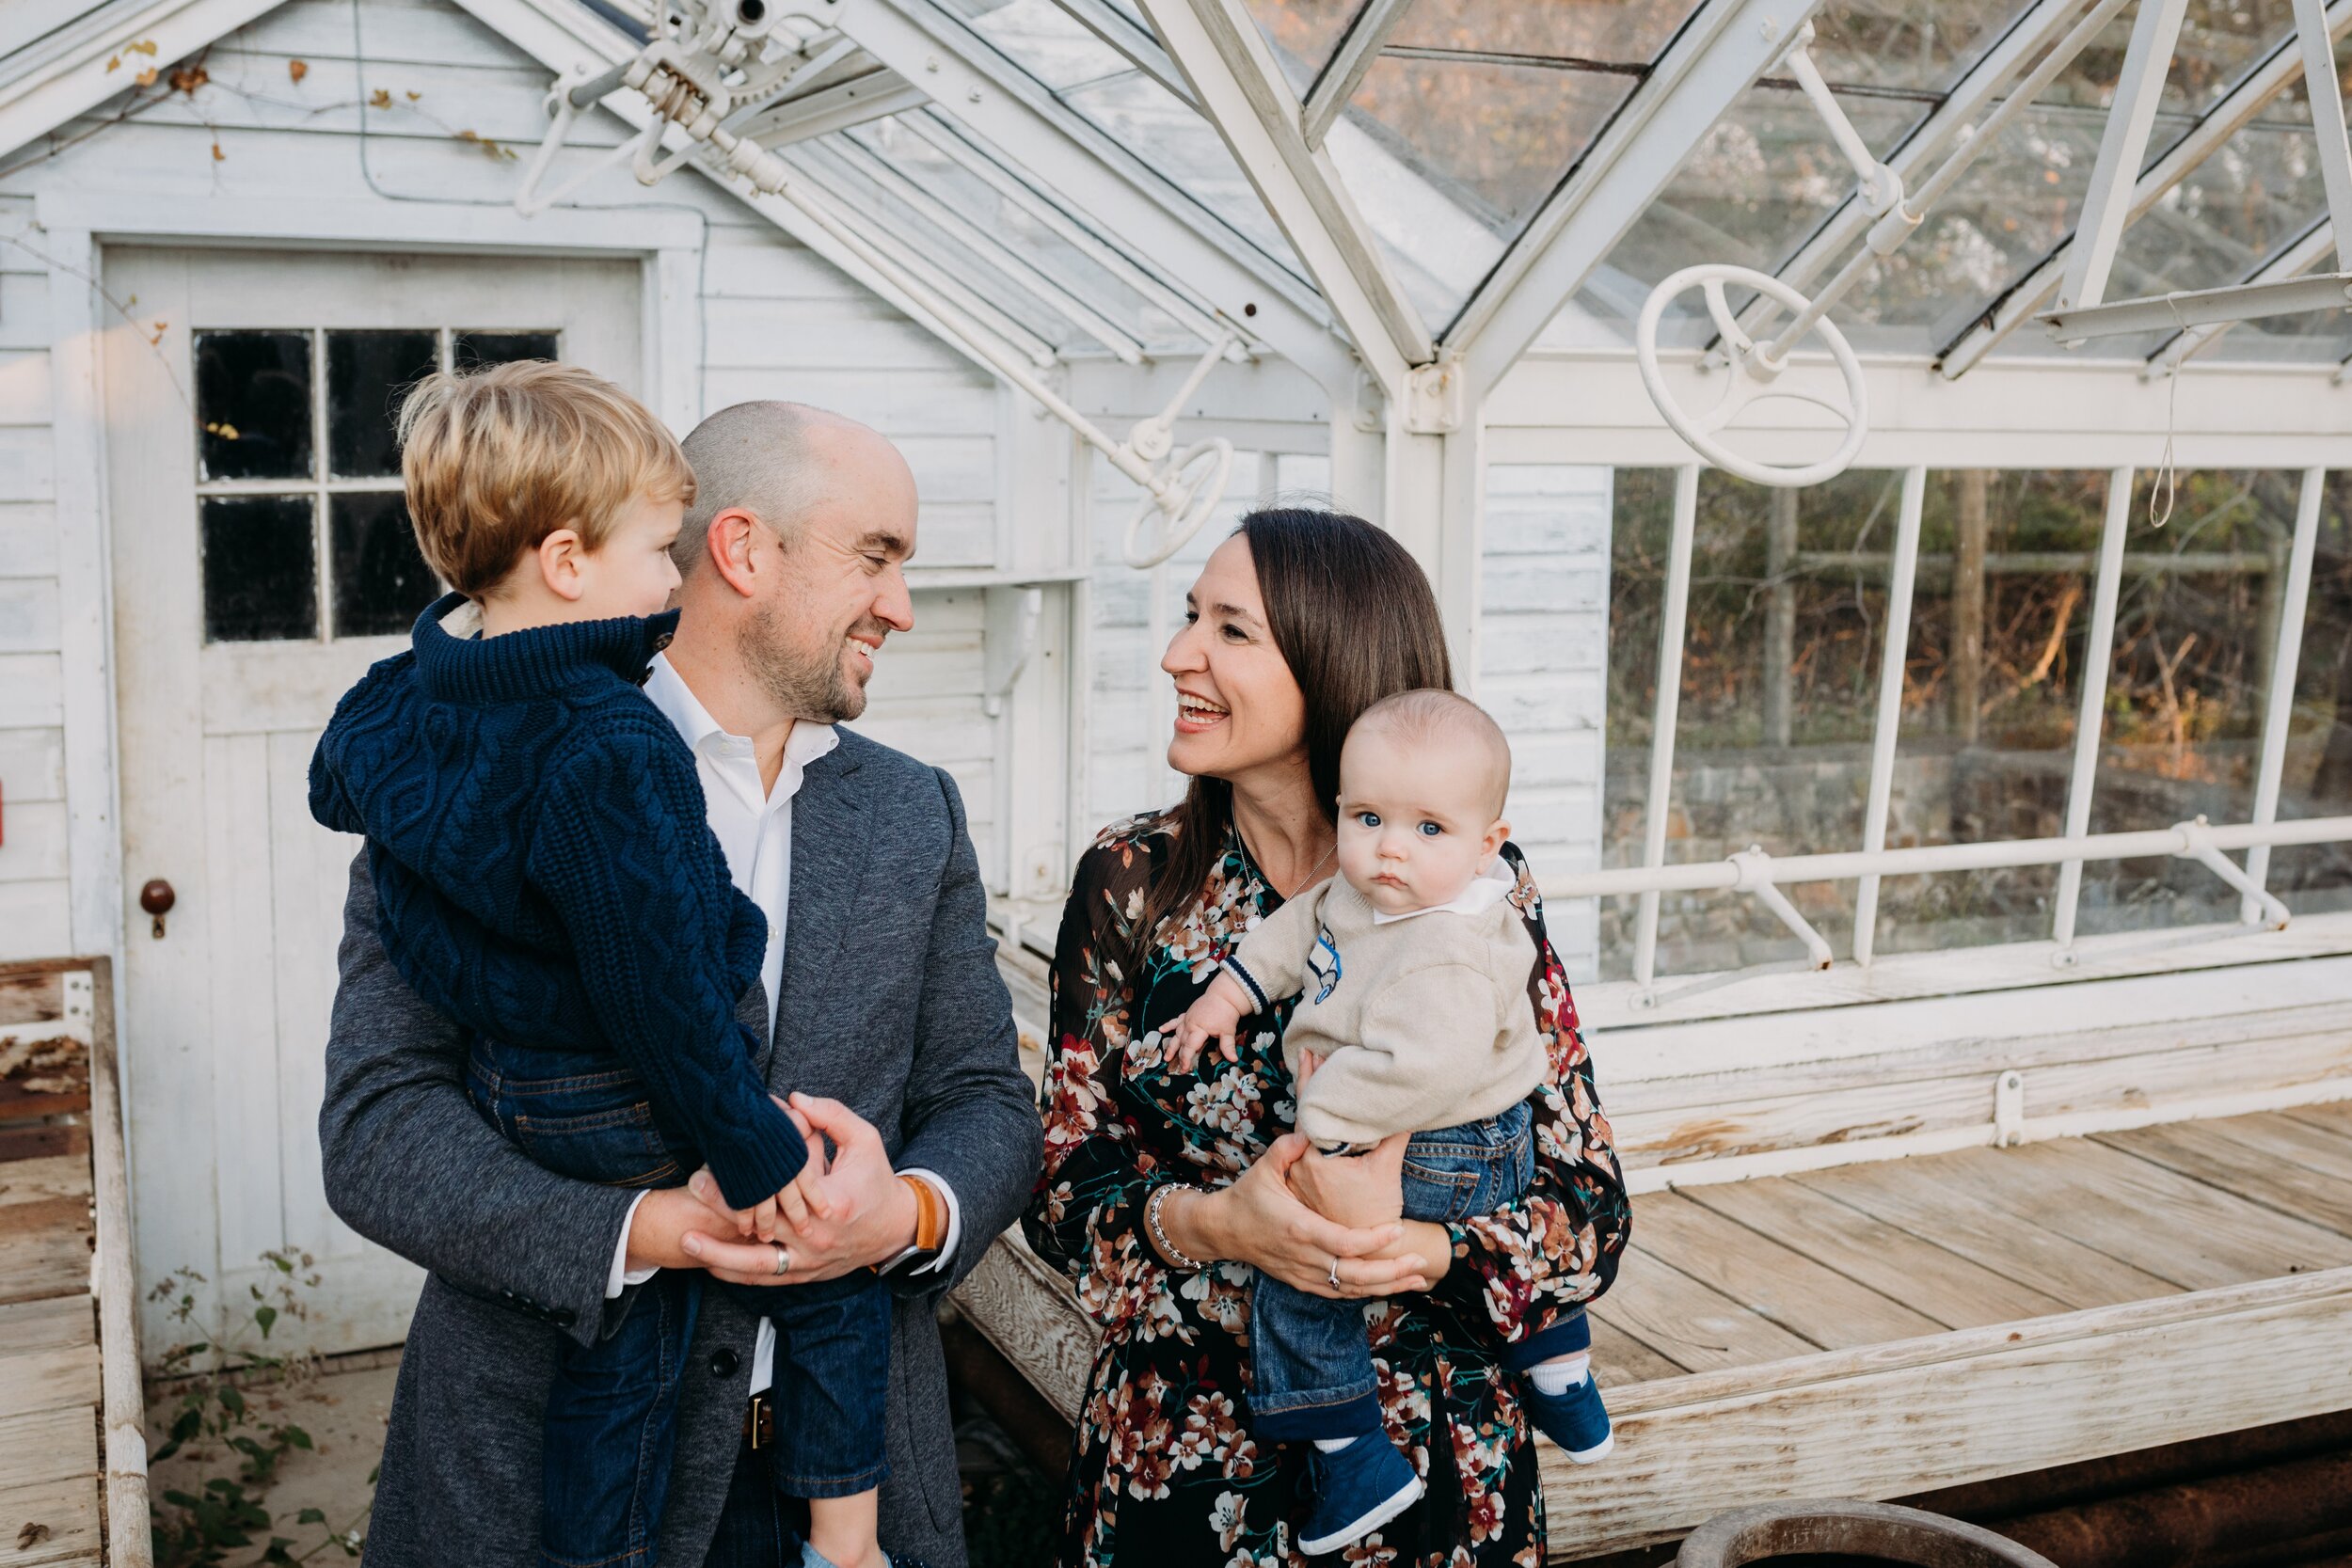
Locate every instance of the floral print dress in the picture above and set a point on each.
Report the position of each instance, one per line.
(1165, 1469)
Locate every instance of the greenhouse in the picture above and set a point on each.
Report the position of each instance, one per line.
(1885, 465)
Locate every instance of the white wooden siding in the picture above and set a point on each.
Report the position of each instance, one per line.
(776, 323)
(1543, 649)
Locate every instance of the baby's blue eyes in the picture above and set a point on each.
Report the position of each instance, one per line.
(1368, 820)
(1430, 829)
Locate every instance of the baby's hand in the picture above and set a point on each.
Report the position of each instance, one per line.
(760, 1221)
(1216, 1016)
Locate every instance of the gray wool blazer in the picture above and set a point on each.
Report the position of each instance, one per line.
(891, 1002)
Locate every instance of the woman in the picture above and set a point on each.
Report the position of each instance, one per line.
(1162, 1191)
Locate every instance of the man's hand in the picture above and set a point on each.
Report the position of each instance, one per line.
(1215, 1017)
(659, 1226)
(850, 1213)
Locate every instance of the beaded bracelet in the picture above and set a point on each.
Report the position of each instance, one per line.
(1169, 1249)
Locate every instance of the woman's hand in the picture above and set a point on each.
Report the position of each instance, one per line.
(1260, 1221)
(1361, 1190)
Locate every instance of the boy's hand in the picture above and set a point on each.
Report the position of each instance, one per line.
(1216, 1016)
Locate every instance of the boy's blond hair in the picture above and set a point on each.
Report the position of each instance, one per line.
(498, 459)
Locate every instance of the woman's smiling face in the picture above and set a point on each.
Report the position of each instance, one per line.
(1238, 706)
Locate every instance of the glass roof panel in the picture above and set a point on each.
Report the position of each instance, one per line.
(2017, 203)
(1608, 31)
(1095, 82)
(1303, 33)
(923, 161)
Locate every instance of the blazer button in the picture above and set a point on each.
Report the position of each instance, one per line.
(563, 1317)
(723, 1362)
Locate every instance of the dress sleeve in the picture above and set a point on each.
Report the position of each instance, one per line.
(1557, 1247)
(1087, 1214)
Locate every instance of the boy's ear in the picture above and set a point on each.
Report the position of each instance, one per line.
(559, 555)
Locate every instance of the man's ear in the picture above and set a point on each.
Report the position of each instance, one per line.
(730, 539)
(561, 556)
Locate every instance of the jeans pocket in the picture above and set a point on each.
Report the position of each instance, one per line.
(615, 1145)
(1442, 1189)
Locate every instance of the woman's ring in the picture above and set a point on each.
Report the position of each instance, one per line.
(1335, 1271)
(783, 1262)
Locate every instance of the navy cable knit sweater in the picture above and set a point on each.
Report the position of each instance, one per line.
(546, 871)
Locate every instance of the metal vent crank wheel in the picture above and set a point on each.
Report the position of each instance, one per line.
(1753, 373)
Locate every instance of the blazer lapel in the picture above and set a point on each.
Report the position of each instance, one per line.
(829, 852)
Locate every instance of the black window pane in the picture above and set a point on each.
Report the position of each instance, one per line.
(381, 581)
(253, 404)
(261, 568)
(367, 373)
(474, 349)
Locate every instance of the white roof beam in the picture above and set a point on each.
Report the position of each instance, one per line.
(1006, 109)
(65, 75)
(1241, 91)
(2122, 148)
(2315, 245)
(1349, 65)
(567, 37)
(837, 107)
(1973, 95)
(1118, 29)
(1717, 57)
(1025, 274)
(2280, 70)
(1181, 308)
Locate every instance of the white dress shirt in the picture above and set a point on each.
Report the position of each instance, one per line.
(1487, 889)
(753, 825)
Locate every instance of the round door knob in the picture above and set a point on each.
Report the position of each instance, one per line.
(156, 898)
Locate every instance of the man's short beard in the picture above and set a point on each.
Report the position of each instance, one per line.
(816, 689)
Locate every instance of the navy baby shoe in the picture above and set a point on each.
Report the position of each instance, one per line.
(1577, 1421)
(1357, 1489)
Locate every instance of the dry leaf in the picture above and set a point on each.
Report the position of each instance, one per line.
(146, 78)
(115, 64)
(380, 98)
(414, 96)
(30, 1536)
(218, 156)
(297, 69)
(145, 46)
(187, 78)
(161, 327)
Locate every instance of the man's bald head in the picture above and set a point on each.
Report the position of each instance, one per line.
(777, 460)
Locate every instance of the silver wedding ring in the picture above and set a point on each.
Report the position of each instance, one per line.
(1335, 1271)
(783, 1262)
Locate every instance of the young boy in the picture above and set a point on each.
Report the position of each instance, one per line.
(1411, 969)
(547, 875)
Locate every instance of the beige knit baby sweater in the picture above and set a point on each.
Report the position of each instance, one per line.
(1421, 1021)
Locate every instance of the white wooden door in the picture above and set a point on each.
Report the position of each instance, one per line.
(262, 562)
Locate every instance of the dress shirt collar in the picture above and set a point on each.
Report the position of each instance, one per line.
(1487, 889)
(808, 740)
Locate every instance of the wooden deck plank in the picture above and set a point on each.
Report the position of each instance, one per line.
(1917, 1195)
(40, 1180)
(45, 1325)
(1689, 1323)
(1940, 1284)
(2333, 1115)
(63, 1514)
(2158, 1220)
(1620, 1360)
(1815, 1303)
(2253, 1157)
(53, 1378)
(48, 1445)
(44, 1261)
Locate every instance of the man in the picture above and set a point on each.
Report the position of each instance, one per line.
(890, 1027)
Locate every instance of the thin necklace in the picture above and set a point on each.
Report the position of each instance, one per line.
(1308, 881)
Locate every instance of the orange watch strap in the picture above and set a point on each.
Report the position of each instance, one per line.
(929, 1225)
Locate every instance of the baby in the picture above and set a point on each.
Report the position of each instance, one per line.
(1411, 970)
(545, 873)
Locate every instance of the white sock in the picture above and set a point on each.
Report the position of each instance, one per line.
(1333, 1444)
(1559, 1376)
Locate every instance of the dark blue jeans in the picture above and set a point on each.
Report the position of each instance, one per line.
(612, 1413)
(1312, 1364)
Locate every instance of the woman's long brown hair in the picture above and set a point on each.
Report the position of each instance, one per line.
(1353, 615)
